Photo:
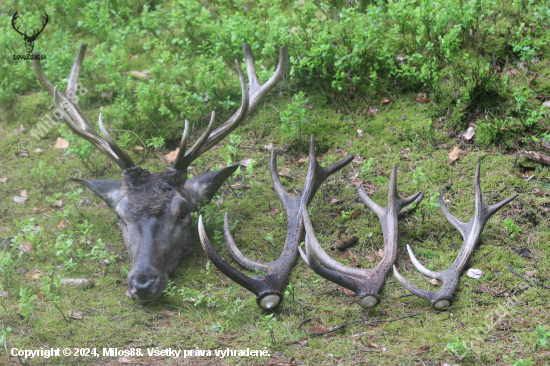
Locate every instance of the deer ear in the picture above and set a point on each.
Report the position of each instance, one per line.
(205, 185)
(106, 189)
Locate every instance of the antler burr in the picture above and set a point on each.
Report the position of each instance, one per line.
(267, 288)
(366, 283)
(470, 231)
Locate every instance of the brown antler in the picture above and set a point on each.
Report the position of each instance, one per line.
(249, 102)
(267, 288)
(73, 116)
(470, 231)
(366, 283)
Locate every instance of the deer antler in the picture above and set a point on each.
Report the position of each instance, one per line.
(267, 288)
(73, 116)
(249, 102)
(366, 283)
(470, 231)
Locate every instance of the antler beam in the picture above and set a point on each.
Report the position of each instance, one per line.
(366, 283)
(67, 104)
(268, 287)
(250, 99)
(470, 231)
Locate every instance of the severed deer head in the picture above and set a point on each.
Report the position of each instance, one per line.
(153, 209)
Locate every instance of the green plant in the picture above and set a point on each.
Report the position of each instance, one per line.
(290, 290)
(81, 148)
(266, 324)
(294, 116)
(4, 335)
(51, 293)
(512, 228)
(418, 177)
(458, 348)
(156, 142)
(27, 303)
(542, 337)
(519, 362)
(43, 173)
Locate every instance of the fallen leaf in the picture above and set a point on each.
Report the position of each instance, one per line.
(141, 74)
(268, 147)
(371, 258)
(384, 349)
(19, 130)
(346, 291)
(3, 179)
(168, 313)
(223, 166)
(301, 161)
(512, 72)
(530, 273)
(422, 98)
(137, 149)
(63, 224)
(434, 282)
(315, 330)
(76, 314)
(523, 65)
(273, 212)
(454, 155)
(303, 341)
(246, 162)
(381, 253)
(469, 133)
(39, 294)
(384, 101)
(61, 143)
(360, 133)
(37, 150)
(19, 199)
(334, 200)
(373, 345)
(23, 193)
(357, 159)
(33, 274)
(546, 104)
(285, 172)
(58, 203)
(24, 153)
(26, 247)
(373, 111)
(474, 273)
(171, 156)
(354, 214)
(4, 294)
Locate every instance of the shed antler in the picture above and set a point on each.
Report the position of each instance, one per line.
(366, 283)
(267, 288)
(249, 102)
(470, 231)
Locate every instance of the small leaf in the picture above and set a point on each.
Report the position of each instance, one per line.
(360, 133)
(171, 156)
(4, 294)
(285, 172)
(315, 330)
(3, 179)
(33, 274)
(26, 247)
(61, 143)
(138, 149)
(246, 162)
(38, 150)
(434, 282)
(469, 133)
(76, 314)
(347, 291)
(19, 130)
(303, 341)
(19, 199)
(58, 203)
(474, 273)
(373, 111)
(384, 101)
(454, 155)
(373, 345)
(63, 224)
(301, 161)
(273, 212)
(23, 193)
(39, 294)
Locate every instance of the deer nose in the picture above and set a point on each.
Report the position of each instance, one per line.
(143, 285)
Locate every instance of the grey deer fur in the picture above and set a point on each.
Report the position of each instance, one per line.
(153, 209)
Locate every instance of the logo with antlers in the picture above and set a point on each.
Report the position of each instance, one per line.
(29, 40)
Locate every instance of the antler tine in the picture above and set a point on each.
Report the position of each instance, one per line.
(471, 233)
(77, 67)
(236, 253)
(75, 119)
(366, 283)
(250, 99)
(267, 288)
(344, 280)
(184, 159)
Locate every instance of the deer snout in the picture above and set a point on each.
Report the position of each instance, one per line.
(144, 286)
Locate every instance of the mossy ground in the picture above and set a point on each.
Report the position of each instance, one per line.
(402, 330)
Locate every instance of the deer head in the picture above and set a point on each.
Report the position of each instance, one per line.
(153, 209)
(29, 40)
